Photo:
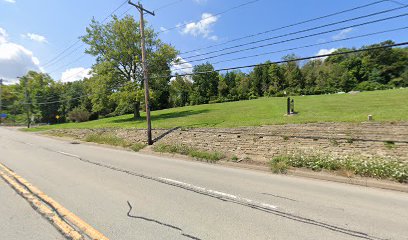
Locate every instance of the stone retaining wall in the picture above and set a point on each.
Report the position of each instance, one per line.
(260, 144)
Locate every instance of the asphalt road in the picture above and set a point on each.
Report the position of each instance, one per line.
(19, 221)
(128, 195)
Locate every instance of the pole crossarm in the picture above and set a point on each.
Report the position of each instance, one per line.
(140, 7)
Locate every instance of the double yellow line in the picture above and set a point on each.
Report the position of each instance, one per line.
(70, 225)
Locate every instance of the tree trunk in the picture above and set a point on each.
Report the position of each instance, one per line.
(136, 114)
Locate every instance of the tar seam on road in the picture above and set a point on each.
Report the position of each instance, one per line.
(277, 196)
(293, 217)
(160, 223)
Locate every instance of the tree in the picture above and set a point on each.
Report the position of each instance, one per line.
(116, 46)
(292, 74)
(205, 83)
(277, 81)
(180, 89)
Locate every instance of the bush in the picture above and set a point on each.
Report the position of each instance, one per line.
(79, 115)
(279, 164)
(192, 152)
(375, 168)
(137, 147)
(109, 139)
(370, 86)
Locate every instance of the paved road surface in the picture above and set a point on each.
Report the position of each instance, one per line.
(176, 199)
(19, 221)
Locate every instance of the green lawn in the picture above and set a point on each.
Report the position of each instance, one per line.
(388, 105)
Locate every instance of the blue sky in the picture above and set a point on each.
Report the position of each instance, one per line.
(34, 32)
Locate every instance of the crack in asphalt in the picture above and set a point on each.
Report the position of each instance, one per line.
(277, 196)
(280, 213)
(253, 206)
(160, 223)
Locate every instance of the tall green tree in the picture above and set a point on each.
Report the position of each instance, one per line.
(180, 89)
(116, 46)
(205, 83)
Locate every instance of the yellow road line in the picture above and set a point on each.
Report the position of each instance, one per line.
(37, 199)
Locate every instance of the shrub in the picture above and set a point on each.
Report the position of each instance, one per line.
(137, 147)
(107, 139)
(389, 144)
(192, 152)
(279, 164)
(370, 86)
(375, 168)
(79, 115)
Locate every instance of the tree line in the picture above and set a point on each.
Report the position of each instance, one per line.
(116, 85)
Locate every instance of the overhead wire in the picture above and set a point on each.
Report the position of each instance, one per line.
(58, 56)
(302, 47)
(288, 61)
(250, 66)
(297, 32)
(288, 26)
(298, 38)
(211, 16)
(124, 13)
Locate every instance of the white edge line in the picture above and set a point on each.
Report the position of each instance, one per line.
(218, 193)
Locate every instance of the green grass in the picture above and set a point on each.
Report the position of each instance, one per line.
(188, 151)
(387, 105)
(374, 168)
(113, 140)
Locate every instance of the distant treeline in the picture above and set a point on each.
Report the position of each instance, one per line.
(105, 94)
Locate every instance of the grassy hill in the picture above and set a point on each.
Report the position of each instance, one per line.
(388, 105)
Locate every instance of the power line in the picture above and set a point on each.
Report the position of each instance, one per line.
(213, 15)
(288, 26)
(167, 5)
(288, 61)
(304, 46)
(79, 40)
(297, 32)
(59, 101)
(397, 2)
(298, 38)
(83, 55)
(248, 66)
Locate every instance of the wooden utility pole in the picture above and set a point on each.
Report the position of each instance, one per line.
(145, 71)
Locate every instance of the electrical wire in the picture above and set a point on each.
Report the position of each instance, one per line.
(297, 32)
(79, 40)
(251, 66)
(288, 26)
(213, 15)
(83, 55)
(288, 61)
(302, 47)
(302, 37)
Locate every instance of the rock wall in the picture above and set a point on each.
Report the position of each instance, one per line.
(260, 144)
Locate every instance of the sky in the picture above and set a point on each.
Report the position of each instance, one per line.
(34, 33)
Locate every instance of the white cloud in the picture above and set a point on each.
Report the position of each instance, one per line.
(75, 74)
(200, 1)
(325, 51)
(3, 36)
(163, 29)
(342, 34)
(203, 27)
(10, 1)
(181, 66)
(35, 37)
(15, 60)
